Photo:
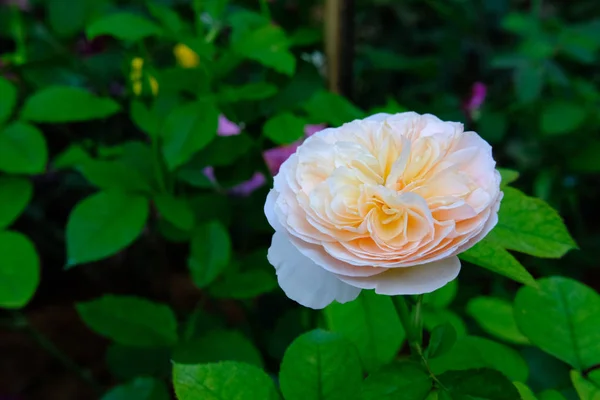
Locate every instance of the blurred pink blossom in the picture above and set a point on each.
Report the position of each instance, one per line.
(249, 186)
(478, 94)
(226, 127)
(276, 156)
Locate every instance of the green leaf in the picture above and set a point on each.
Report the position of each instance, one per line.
(550, 395)
(147, 121)
(59, 104)
(496, 317)
(175, 210)
(141, 388)
(123, 26)
(222, 381)
(126, 362)
(320, 365)
(561, 117)
(210, 253)
(485, 384)
(284, 128)
(244, 284)
(442, 339)
(492, 256)
(129, 320)
(247, 92)
(531, 226)
(397, 381)
(114, 175)
(585, 389)
(432, 317)
(372, 324)
(19, 270)
(67, 18)
(187, 129)
(524, 391)
(508, 176)
(8, 99)
(475, 352)
(15, 194)
(267, 45)
(218, 345)
(22, 149)
(442, 297)
(562, 318)
(331, 108)
(529, 82)
(103, 224)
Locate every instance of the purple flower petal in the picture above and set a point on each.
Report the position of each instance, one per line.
(209, 172)
(478, 94)
(246, 188)
(310, 130)
(227, 128)
(276, 156)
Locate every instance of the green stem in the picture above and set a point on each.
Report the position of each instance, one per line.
(405, 318)
(20, 321)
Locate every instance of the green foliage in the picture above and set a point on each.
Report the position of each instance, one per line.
(15, 194)
(224, 380)
(103, 224)
(398, 381)
(478, 383)
(124, 26)
(320, 365)
(22, 149)
(372, 324)
(60, 104)
(560, 318)
(19, 270)
(142, 388)
(209, 254)
(284, 128)
(130, 321)
(496, 317)
(8, 98)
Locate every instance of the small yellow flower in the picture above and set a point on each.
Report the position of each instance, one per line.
(153, 85)
(136, 75)
(185, 56)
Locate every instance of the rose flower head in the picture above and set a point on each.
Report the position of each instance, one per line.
(383, 203)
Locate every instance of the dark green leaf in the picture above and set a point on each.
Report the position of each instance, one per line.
(269, 46)
(103, 224)
(67, 18)
(22, 149)
(531, 226)
(244, 284)
(250, 91)
(475, 352)
(284, 128)
(141, 388)
(218, 345)
(222, 381)
(175, 210)
(441, 341)
(497, 318)
(210, 253)
(372, 324)
(327, 107)
(561, 117)
(561, 317)
(320, 365)
(123, 26)
(114, 175)
(188, 128)
(57, 104)
(129, 320)
(397, 381)
(491, 255)
(433, 317)
(15, 194)
(550, 395)
(144, 119)
(19, 270)
(168, 18)
(8, 99)
(442, 297)
(529, 82)
(476, 384)
(524, 391)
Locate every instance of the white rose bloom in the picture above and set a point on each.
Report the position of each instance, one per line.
(383, 203)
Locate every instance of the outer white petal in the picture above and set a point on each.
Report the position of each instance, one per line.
(304, 281)
(270, 210)
(424, 278)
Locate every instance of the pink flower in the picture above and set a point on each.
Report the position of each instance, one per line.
(226, 127)
(276, 156)
(246, 188)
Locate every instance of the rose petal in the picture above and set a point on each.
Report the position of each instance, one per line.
(304, 281)
(420, 279)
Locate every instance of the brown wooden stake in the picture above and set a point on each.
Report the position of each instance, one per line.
(339, 45)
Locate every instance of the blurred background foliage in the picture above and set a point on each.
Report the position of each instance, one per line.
(93, 79)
